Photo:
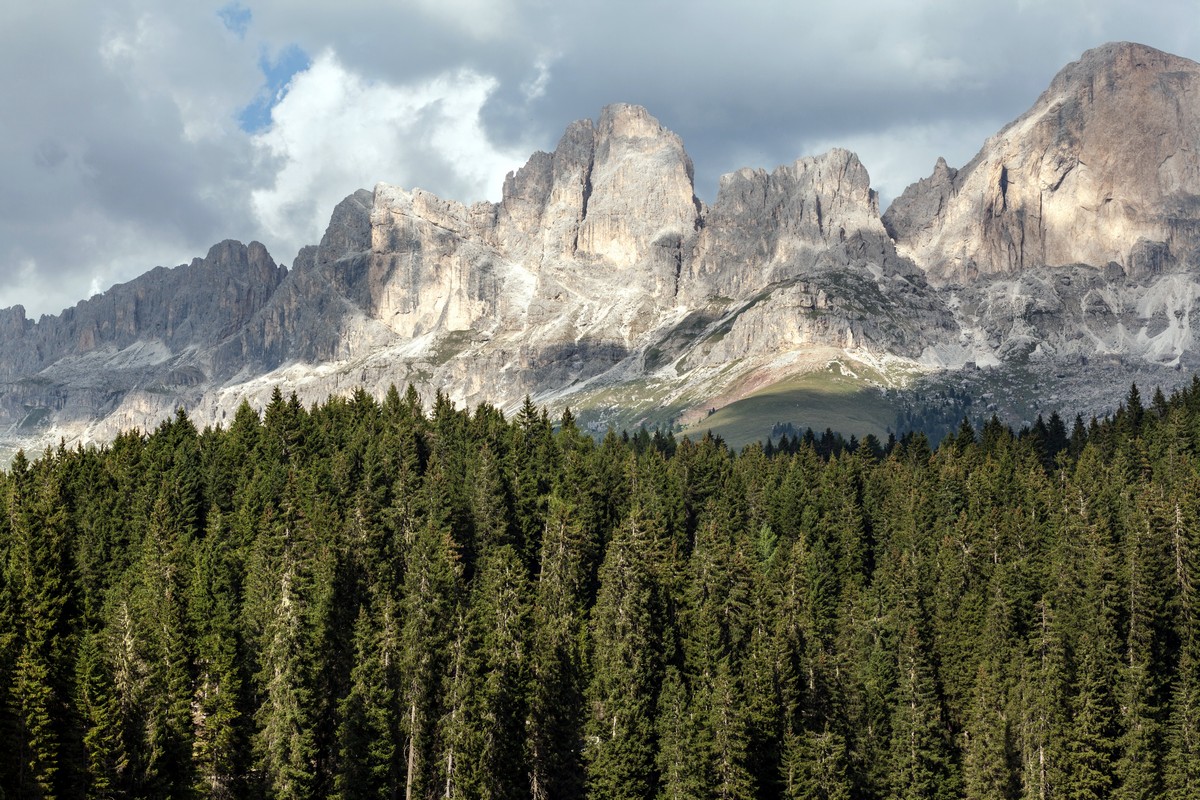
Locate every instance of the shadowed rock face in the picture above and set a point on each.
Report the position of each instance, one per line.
(1073, 234)
(195, 306)
(1104, 168)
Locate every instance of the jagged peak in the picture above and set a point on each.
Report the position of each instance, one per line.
(633, 121)
(1103, 159)
(233, 253)
(837, 159)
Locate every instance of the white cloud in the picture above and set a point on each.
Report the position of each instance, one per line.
(335, 132)
(156, 58)
(536, 86)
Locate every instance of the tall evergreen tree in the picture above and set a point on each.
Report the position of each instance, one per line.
(431, 596)
(621, 740)
(557, 661)
(38, 577)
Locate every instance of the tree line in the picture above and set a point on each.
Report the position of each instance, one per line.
(367, 598)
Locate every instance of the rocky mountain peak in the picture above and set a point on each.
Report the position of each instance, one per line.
(627, 121)
(1106, 67)
(768, 227)
(639, 188)
(1103, 168)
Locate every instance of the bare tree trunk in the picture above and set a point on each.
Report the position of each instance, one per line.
(412, 750)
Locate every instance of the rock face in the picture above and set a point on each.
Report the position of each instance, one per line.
(764, 227)
(1071, 240)
(191, 307)
(1104, 168)
(1074, 234)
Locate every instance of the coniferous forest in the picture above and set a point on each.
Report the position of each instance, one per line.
(374, 599)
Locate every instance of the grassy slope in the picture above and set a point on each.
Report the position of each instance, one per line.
(817, 400)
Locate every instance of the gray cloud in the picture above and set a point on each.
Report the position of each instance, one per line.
(120, 145)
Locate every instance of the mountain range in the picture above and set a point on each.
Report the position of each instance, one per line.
(1056, 267)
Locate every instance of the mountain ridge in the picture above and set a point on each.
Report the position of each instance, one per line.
(602, 281)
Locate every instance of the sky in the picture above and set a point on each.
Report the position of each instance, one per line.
(137, 133)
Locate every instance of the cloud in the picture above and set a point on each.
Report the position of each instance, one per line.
(115, 153)
(335, 131)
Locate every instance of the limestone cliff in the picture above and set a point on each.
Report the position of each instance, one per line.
(1105, 167)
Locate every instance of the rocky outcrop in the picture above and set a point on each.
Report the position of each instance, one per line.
(639, 191)
(1104, 168)
(764, 228)
(191, 307)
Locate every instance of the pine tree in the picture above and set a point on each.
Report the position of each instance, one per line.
(921, 757)
(158, 603)
(97, 703)
(432, 588)
(368, 734)
(463, 728)
(1088, 760)
(557, 677)
(220, 737)
(38, 574)
(679, 766)
(620, 747)
(1139, 764)
(285, 747)
(716, 639)
(1181, 774)
(988, 758)
(502, 618)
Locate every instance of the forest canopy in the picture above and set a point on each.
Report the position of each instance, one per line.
(368, 598)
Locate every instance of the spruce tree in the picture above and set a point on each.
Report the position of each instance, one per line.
(220, 729)
(38, 574)
(557, 659)
(368, 733)
(429, 606)
(621, 738)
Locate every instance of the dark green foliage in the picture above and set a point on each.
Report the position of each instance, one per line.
(358, 600)
(621, 737)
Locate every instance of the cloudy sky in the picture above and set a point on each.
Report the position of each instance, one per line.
(136, 133)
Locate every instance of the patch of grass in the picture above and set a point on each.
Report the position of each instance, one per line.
(450, 345)
(817, 400)
(626, 406)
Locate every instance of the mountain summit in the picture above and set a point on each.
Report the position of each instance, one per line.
(1105, 168)
(1065, 251)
